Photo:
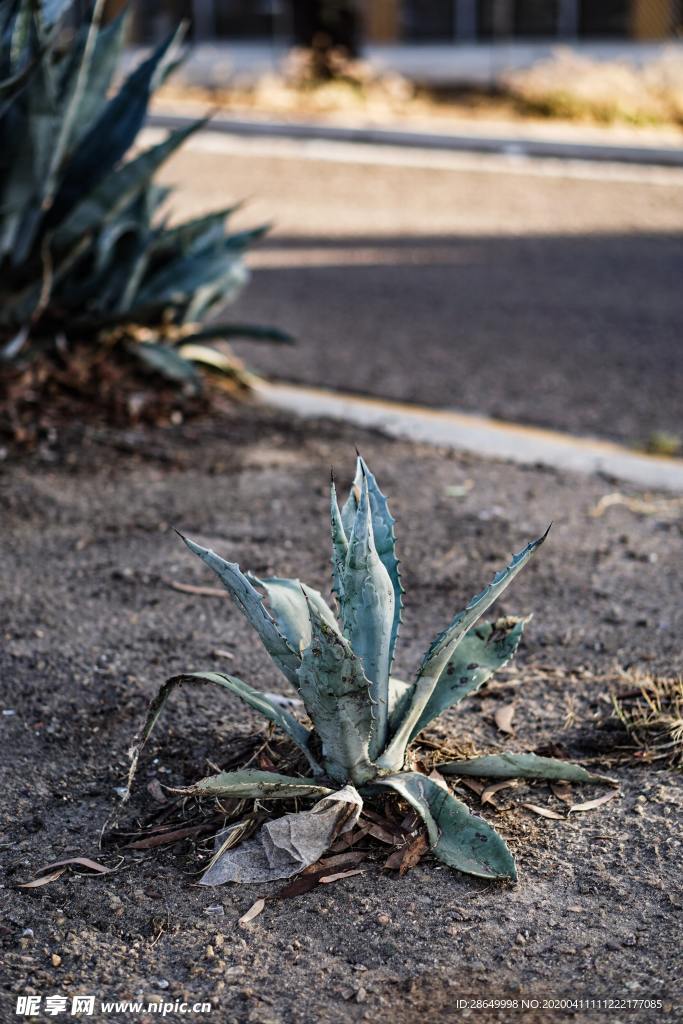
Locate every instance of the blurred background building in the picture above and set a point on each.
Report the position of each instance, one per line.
(416, 21)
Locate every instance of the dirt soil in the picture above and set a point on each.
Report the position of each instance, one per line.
(90, 629)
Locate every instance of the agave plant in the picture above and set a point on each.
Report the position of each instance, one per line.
(87, 256)
(363, 718)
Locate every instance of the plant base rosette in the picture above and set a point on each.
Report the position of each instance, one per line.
(363, 719)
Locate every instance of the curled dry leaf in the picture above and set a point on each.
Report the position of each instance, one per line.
(490, 791)
(563, 792)
(83, 862)
(192, 588)
(408, 856)
(592, 804)
(254, 911)
(503, 718)
(43, 880)
(165, 838)
(326, 879)
(544, 812)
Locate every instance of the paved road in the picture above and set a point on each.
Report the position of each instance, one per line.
(536, 292)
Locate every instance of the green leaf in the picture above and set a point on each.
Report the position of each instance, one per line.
(521, 766)
(250, 603)
(336, 694)
(457, 837)
(165, 360)
(400, 694)
(258, 701)
(112, 133)
(117, 190)
(385, 542)
(288, 600)
(252, 784)
(340, 545)
(367, 614)
(442, 650)
(483, 650)
(247, 331)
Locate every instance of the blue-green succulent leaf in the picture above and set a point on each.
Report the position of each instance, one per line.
(483, 650)
(250, 603)
(400, 694)
(442, 650)
(116, 191)
(336, 694)
(287, 600)
(340, 545)
(253, 784)
(258, 701)
(457, 837)
(521, 766)
(367, 615)
(385, 542)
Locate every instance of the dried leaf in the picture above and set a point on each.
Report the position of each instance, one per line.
(83, 862)
(164, 838)
(490, 791)
(341, 874)
(253, 912)
(43, 880)
(503, 718)
(384, 835)
(436, 776)
(545, 812)
(591, 804)
(408, 856)
(563, 791)
(192, 588)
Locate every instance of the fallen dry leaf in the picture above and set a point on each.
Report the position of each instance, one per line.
(163, 838)
(43, 880)
(545, 812)
(253, 912)
(436, 776)
(191, 588)
(326, 879)
(384, 835)
(83, 862)
(490, 791)
(563, 791)
(503, 718)
(591, 804)
(409, 855)
(310, 876)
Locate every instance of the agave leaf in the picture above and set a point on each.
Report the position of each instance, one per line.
(385, 542)
(367, 615)
(252, 784)
(181, 280)
(288, 601)
(107, 50)
(521, 766)
(253, 333)
(165, 360)
(336, 694)
(442, 650)
(340, 545)
(482, 651)
(273, 712)
(457, 837)
(115, 192)
(400, 694)
(194, 235)
(250, 603)
(112, 133)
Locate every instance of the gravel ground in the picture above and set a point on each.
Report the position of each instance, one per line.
(90, 629)
(544, 293)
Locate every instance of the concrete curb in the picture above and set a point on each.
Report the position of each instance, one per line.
(653, 156)
(482, 436)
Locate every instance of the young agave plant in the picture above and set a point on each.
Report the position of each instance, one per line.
(364, 719)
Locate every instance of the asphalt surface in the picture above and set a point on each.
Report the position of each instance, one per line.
(536, 292)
